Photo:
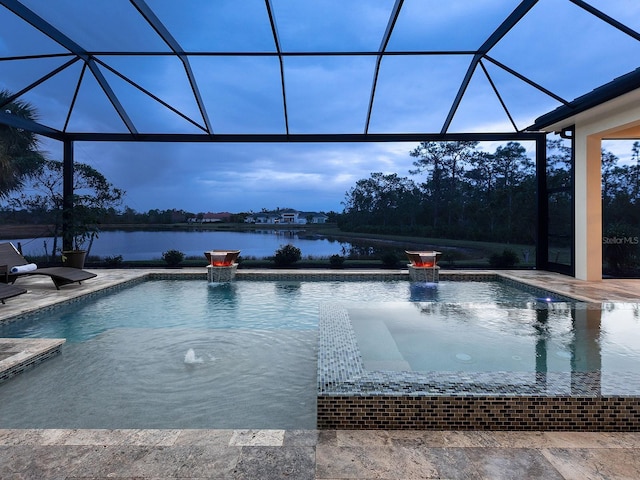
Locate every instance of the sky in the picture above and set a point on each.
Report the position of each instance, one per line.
(557, 45)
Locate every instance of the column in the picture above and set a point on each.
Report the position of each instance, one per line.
(588, 206)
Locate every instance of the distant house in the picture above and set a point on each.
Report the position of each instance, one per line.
(263, 217)
(316, 217)
(211, 217)
(290, 216)
(286, 217)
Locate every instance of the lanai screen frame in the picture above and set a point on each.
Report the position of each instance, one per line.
(542, 244)
(90, 60)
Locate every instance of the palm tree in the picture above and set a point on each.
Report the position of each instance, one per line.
(19, 154)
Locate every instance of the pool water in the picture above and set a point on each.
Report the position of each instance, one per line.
(260, 305)
(187, 354)
(535, 337)
(172, 354)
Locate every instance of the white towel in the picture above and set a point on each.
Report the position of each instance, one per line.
(29, 267)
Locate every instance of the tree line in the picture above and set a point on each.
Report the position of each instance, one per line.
(458, 191)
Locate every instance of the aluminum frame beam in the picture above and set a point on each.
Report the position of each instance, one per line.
(393, 17)
(155, 23)
(57, 36)
(606, 18)
(511, 21)
(67, 194)
(302, 138)
(30, 126)
(276, 40)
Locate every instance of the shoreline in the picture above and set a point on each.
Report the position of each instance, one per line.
(14, 232)
(471, 250)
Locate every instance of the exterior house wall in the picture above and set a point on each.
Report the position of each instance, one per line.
(621, 116)
(616, 119)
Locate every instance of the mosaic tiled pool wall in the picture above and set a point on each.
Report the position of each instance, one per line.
(612, 414)
(321, 275)
(359, 275)
(351, 397)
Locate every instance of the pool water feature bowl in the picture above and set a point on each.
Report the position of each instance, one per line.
(423, 266)
(222, 265)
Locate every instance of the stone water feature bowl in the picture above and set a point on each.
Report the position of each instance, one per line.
(222, 258)
(427, 259)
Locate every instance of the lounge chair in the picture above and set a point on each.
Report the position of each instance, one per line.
(14, 265)
(8, 291)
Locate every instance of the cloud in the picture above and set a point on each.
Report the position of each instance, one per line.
(450, 25)
(324, 25)
(324, 94)
(241, 177)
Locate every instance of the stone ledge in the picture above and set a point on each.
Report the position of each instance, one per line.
(20, 354)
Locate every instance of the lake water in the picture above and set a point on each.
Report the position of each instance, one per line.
(150, 245)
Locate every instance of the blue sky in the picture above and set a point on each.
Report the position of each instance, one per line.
(557, 45)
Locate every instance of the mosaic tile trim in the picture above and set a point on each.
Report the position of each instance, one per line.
(468, 277)
(290, 275)
(177, 275)
(339, 357)
(351, 397)
(321, 276)
(613, 414)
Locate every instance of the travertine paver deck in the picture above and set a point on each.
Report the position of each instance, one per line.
(309, 454)
(324, 455)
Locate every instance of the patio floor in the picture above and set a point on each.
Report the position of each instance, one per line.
(312, 454)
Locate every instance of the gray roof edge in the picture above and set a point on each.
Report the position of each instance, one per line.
(616, 88)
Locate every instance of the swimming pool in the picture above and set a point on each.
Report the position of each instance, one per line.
(179, 353)
(247, 354)
(171, 354)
